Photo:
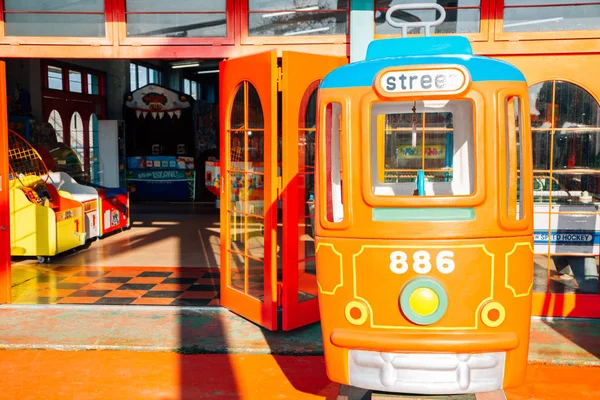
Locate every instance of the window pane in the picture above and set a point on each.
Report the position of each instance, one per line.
(443, 3)
(76, 132)
(465, 20)
(154, 76)
(514, 197)
(186, 86)
(438, 141)
(294, 5)
(142, 76)
(174, 5)
(56, 121)
(93, 84)
(545, 2)
(80, 25)
(55, 80)
(54, 5)
(555, 18)
(177, 25)
(333, 164)
(301, 23)
(575, 107)
(75, 82)
(133, 76)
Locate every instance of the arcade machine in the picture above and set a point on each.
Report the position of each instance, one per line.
(86, 195)
(160, 145)
(114, 209)
(43, 222)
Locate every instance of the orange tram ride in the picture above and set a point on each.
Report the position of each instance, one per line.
(424, 231)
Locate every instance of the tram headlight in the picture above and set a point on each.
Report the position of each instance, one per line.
(493, 314)
(356, 312)
(423, 301)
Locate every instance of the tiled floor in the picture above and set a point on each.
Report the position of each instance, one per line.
(116, 285)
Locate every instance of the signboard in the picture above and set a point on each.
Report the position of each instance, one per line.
(450, 80)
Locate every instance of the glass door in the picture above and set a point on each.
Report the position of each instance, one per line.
(301, 75)
(248, 201)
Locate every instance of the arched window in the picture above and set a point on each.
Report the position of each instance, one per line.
(56, 121)
(565, 122)
(94, 157)
(76, 130)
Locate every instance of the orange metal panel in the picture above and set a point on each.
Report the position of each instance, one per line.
(301, 73)
(159, 51)
(5, 276)
(260, 71)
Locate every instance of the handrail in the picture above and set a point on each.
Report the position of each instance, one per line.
(415, 6)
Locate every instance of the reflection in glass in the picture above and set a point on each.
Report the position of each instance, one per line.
(255, 114)
(237, 271)
(541, 150)
(569, 117)
(553, 18)
(237, 112)
(256, 279)
(246, 177)
(63, 25)
(255, 187)
(295, 5)
(299, 24)
(237, 230)
(177, 25)
(161, 6)
(461, 20)
(256, 146)
(307, 283)
(55, 5)
(236, 149)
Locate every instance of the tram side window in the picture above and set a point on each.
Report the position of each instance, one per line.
(514, 187)
(436, 137)
(333, 162)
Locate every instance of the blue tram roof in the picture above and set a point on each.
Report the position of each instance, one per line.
(419, 51)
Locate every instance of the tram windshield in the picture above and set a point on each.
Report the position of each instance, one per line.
(426, 140)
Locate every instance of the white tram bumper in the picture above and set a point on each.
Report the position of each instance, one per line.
(426, 373)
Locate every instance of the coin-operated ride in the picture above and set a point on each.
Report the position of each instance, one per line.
(424, 226)
(86, 195)
(43, 222)
(114, 209)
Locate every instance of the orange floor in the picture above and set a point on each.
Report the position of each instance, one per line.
(50, 375)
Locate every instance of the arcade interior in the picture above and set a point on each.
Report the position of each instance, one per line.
(123, 149)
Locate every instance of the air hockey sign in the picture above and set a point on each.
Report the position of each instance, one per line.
(395, 82)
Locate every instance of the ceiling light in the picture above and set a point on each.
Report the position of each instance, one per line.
(185, 65)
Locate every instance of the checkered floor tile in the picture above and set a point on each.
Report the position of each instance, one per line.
(119, 286)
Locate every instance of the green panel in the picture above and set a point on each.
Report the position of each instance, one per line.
(423, 214)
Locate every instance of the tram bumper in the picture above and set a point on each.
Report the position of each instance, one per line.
(426, 363)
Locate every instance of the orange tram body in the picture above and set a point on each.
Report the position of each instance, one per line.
(424, 212)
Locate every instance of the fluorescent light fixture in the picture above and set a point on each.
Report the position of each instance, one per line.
(537, 21)
(185, 65)
(305, 32)
(212, 71)
(279, 14)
